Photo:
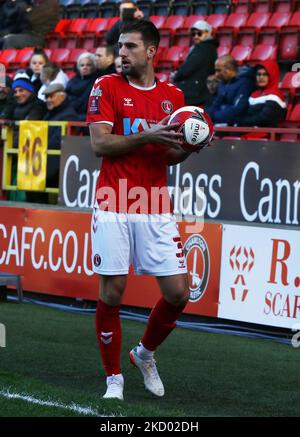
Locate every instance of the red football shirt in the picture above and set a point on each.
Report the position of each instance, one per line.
(131, 182)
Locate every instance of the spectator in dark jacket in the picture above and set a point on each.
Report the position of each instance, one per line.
(58, 104)
(266, 105)
(212, 84)
(191, 76)
(128, 13)
(40, 18)
(59, 109)
(105, 60)
(6, 97)
(233, 92)
(80, 86)
(26, 104)
(12, 15)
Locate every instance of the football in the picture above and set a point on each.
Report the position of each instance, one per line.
(195, 125)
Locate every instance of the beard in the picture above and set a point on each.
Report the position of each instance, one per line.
(133, 70)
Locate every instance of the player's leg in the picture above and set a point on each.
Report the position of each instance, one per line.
(160, 254)
(111, 252)
(161, 322)
(109, 333)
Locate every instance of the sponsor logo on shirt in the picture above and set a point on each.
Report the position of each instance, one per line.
(96, 92)
(137, 125)
(94, 105)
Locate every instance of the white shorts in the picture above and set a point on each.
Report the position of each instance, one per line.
(151, 242)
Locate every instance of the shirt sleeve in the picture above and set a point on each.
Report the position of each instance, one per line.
(100, 105)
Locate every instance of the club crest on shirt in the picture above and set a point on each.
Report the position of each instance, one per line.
(167, 106)
(97, 260)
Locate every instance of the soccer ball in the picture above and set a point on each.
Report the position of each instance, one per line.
(195, 125)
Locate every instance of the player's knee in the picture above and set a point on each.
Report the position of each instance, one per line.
(180, 297)
(112, 289)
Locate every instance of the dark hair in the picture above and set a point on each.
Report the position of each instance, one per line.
(230, 62)
(40, 51)
(149, 32)
(109, 50)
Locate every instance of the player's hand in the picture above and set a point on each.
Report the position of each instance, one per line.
(165, 134)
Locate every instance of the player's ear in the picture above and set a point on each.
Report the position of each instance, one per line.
(151, 51)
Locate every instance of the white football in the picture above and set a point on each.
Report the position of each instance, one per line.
(195, 125)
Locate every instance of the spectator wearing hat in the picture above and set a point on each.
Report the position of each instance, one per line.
(80, 86)
(58, 104)
(6, 97)
(26, 106)
(199, 64)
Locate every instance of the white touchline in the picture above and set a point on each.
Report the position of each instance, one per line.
(6, 393)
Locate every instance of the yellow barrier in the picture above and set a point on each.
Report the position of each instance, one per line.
(30, 155)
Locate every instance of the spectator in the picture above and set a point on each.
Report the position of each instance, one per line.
(40, 18)
(6, 97)
(233, 92)
(118, 64)
(12, 15)
(212, 83)
(51, 73)
(266, 105)
(80, 86)
(26, 104)
(128, 12)
(59, 109)
(105, 60)
(58, 105)
(38, 59)
(191, 76)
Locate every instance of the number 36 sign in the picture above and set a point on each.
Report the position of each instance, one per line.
(32, 156)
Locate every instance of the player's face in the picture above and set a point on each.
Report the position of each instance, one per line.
(134, 54)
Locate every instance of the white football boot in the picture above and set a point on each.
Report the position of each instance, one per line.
(115, 386)
(149, 371)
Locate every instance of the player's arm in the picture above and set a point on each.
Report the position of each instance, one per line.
(105, 143)
(175, 156)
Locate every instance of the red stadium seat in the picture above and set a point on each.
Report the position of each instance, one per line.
(261, 5)
(70, 62)
(288, 47)
(295, 114)
(277, 21)
(241, 6)
(256, 21)
(282, 6)
(241, 53)
(73, 32)
(216, 20)
(158, 20)
(223, 50)
(168, 29)
(7, 56)
(172, 58)
(291, 83)
(59, 56)
(263, 52)
(53, 39)
(294, 22)
(22, 59)
(226, 34)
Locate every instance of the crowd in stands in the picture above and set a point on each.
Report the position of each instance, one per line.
(232, 95)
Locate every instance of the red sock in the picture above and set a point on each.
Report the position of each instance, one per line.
(109, 335)
(160, 324)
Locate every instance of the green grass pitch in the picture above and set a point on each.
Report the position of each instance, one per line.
(51, 367)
